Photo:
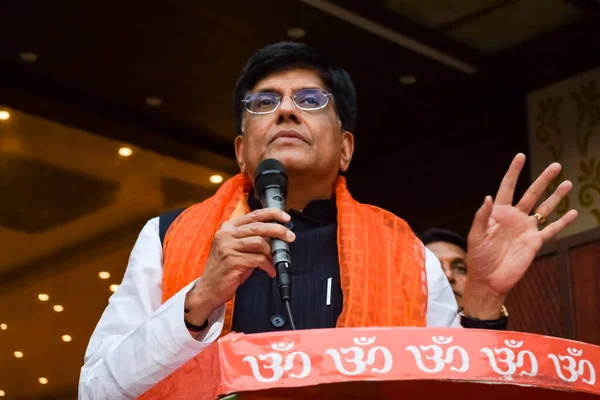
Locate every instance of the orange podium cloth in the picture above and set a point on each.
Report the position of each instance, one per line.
(382, 262)
(436, 363)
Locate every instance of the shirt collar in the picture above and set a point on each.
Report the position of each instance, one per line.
(322, 212)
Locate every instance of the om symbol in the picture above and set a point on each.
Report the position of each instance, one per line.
(575, 369)
(437, 355)
(276, 363)
(509, 359)
(358, 358)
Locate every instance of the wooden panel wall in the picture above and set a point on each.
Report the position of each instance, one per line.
(560, 294)
(585, 270)
(534, 304)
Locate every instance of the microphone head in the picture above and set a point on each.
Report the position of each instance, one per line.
(270, 173)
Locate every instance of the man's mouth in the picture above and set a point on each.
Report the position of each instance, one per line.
(288, 134)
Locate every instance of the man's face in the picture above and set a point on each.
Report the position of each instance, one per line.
(453, 260)
(309, 142)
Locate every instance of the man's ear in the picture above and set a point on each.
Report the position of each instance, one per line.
(239, 153)
(347, 150)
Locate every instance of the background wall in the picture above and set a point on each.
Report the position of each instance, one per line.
(564, 126)
(560, 294)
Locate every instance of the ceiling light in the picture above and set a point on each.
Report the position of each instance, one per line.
(43, 381)
(29, 56)
(2, 393)
(4, 115)
(296, 33)
(125, 151)
(58, 308)
(154, 101)
(43, 297)
(104, 275)
(216, 178)
(18, 354)
(113, 288)
(408, 79)
(3, 327)
(66, 338)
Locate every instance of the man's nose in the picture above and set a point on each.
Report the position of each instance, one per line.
(287, 104)
(449, 273)
(287, 110)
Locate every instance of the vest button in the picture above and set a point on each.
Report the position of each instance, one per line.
(277, 321)
(290, 225)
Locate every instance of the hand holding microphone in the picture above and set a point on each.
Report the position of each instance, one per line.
(256, 240)
(271, 185)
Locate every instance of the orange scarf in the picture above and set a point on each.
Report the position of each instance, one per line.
(382, 263)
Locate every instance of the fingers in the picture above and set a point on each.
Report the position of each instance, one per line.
(262, 215)
(481, 220)
(249, 261)
(242, 243)
(264, 263)
(509, 182)
(548, 206)
(556, 227)
(535, 191)
(264, 229)
(253, 244)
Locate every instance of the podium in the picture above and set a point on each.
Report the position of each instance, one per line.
(388, 363)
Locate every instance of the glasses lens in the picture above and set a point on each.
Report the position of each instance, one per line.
(310, 99)
(262, 102)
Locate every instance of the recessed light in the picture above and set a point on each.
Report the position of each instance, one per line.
(3, 327)
(104, 275)
(43, 381)
(408, 79)
(4, 115)
(58, 308)
(2, 393)
(43, 297)
(216, 178)
(113, 288)
(18, 354)
(29, 56)
(66, 338)
(154, 101)
(125, 151)
(296, 33)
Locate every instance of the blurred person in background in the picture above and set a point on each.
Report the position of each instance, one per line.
(451, 249)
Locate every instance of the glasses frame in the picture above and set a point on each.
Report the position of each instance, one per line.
(292, 96)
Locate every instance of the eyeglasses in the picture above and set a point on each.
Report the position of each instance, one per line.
(304, 99)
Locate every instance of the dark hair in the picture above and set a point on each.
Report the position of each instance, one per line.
(444, 235)
(284, 56)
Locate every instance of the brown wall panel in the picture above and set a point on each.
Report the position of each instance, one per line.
(585, 272)
(534, 304)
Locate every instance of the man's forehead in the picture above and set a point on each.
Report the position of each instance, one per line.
(295, 78)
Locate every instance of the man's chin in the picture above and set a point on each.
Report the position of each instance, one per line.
(291, 160)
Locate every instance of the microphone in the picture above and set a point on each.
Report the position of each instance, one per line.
(271, 186)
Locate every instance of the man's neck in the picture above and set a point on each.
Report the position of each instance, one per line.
(303, 191)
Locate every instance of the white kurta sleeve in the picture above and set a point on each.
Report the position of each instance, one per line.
(139, 341)
(441, 303)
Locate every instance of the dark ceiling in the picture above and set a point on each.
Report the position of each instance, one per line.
(106, 57)
(429, 151)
